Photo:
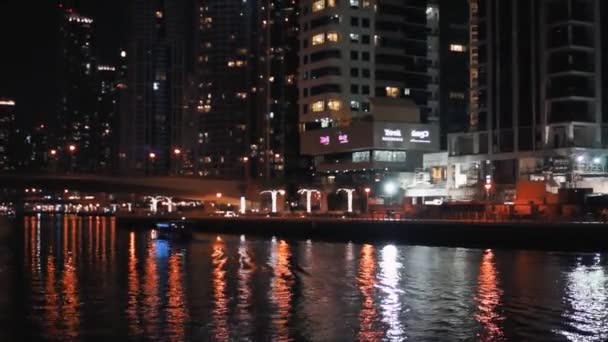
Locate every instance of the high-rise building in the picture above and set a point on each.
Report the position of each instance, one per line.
(247, 99)
(7, 127)
(106, 133)
(77, 108)
(538, 77)
(366, 105)
(155, 86)
(453, 63)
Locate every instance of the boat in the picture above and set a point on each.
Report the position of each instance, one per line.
(173, 230)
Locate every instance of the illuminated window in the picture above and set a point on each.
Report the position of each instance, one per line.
(392, 91)
(332, 36)
(354, 37)
(458, 48)
(318, 39)
(331, 3)
(318, 5)
(456, 95)
(318, 106)
(334, 105)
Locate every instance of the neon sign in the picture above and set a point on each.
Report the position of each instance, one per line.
(420, 136)
(324, 140)
(343, 138)
(392, 135)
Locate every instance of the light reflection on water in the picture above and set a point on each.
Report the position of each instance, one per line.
(587, 300)
(489, 300)
(86, 278)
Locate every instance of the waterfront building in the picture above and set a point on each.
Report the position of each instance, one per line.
(7, 127)
(106, 126)
(365, 85)
(77, 86)
(247, 59)
(538, 76)
(155, 86)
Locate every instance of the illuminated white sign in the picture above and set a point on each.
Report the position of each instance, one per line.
(392, 135)
(324, 140)
(420, 136)
(343, 138)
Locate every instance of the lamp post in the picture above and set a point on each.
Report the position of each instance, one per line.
(390, 189)
(151, 159)
(177, 154)
(72, 150)
(349, 193)
(53, 154)
(367, 191)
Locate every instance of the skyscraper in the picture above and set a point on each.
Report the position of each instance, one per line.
(246, 75)
(77, 108)
(106, 133)
(538, 78)
(453, 64)
(7, 127)
(156, 81)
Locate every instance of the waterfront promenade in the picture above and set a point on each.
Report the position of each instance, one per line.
(562, 235)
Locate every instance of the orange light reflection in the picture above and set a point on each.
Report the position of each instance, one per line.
(488, 300)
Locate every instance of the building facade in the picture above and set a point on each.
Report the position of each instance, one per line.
(537, 97)
(77, 108)
(366, 107)
(155, 86)
(246, 55)
(7, 127)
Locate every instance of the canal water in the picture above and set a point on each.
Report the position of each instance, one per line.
(68, 278)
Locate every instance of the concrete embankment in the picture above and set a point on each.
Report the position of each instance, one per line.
(570, 236)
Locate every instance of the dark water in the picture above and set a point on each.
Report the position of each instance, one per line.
(73, 279)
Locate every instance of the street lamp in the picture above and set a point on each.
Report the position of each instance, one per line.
(367, 191)
(152, 155)
(177, 151)
(218, 195)
(53, 152)
(72, 149)
(390, 188)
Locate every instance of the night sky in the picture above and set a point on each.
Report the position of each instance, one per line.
(28, 34)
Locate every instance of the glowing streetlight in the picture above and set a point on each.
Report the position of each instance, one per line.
(177, 151)
(53, 152)
(218, 195)
(308, 193)
(152, 155)
(72, 148)
(349, 192)
(390, 188)
(273, 197)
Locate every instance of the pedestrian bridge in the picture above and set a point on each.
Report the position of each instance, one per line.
(186, 187)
